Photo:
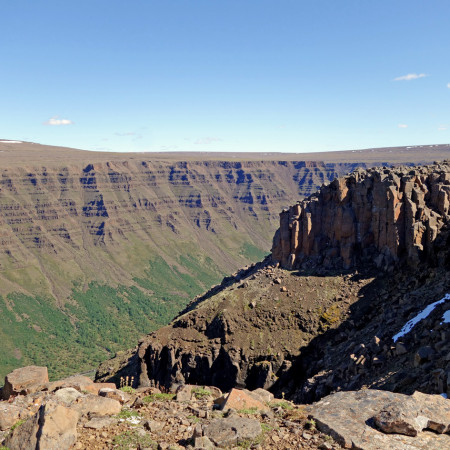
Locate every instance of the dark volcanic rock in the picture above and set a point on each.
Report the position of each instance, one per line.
(326, 329)
(380, 215)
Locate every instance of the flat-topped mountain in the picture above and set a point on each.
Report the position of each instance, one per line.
(98, 249)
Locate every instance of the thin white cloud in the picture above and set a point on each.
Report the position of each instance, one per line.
(129, 133)
(402, 125)
(57, 121)
(411, 76)
(443, 127)
(207, 140)
(448, 85)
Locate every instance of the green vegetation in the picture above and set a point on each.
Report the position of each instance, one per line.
(330, 316)
(194, 419)
(253, 410)
(17, 424)
(99, 321)
(200, 393)
(128, 389)
(283, 404)
(252, 252)
(266, 428)
(134, 439)
(127, 414)
(159, 396)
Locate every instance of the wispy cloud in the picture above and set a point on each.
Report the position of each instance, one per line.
(402, 125)
(411, 76)
(443, 127)
(207, 140)
(57, 121)
(448, 85)
(134, 134)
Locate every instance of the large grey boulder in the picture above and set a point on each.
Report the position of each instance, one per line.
(379, 420)
(231, 430)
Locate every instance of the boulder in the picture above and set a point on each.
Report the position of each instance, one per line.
(351, 419)
(53, 427)
(239, 399)
(77, 382)
(97, 406)
(25, 380)
(184, 393)
(97, 423)
(230, 431)
(261, 395)
(9, 415)
(115, 394)
(94, 388)
(67, 395)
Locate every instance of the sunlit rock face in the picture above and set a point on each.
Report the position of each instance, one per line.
(376, 215)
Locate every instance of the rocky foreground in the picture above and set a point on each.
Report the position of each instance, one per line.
(76, 413)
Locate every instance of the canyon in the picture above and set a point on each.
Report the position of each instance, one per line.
(324, 320)
(337, 338)
(98, 249)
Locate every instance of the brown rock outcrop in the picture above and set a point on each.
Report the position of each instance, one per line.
(53, 427)
(380, 215)
(25, 380)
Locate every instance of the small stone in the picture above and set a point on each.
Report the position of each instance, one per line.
(153, 425)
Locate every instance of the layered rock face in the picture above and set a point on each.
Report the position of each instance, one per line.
(128, 241)
(308, 333)
(380, 215)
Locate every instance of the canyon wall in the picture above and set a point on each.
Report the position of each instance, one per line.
(97, 252)
(379, 215)
(269, 327)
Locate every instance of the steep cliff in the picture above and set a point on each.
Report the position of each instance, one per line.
(99, 249)
(371, 252)
(381, 215)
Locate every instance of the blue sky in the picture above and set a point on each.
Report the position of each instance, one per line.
(225, 75)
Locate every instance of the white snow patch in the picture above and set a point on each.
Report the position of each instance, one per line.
(422, 315)
(446, 317)
(133, 420)
(11, 142)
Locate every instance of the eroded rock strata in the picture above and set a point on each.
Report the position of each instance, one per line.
(313, 331)
(380, 215)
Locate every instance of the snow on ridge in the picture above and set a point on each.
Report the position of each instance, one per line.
(11, 142)
(422, 315)
(446, 317)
